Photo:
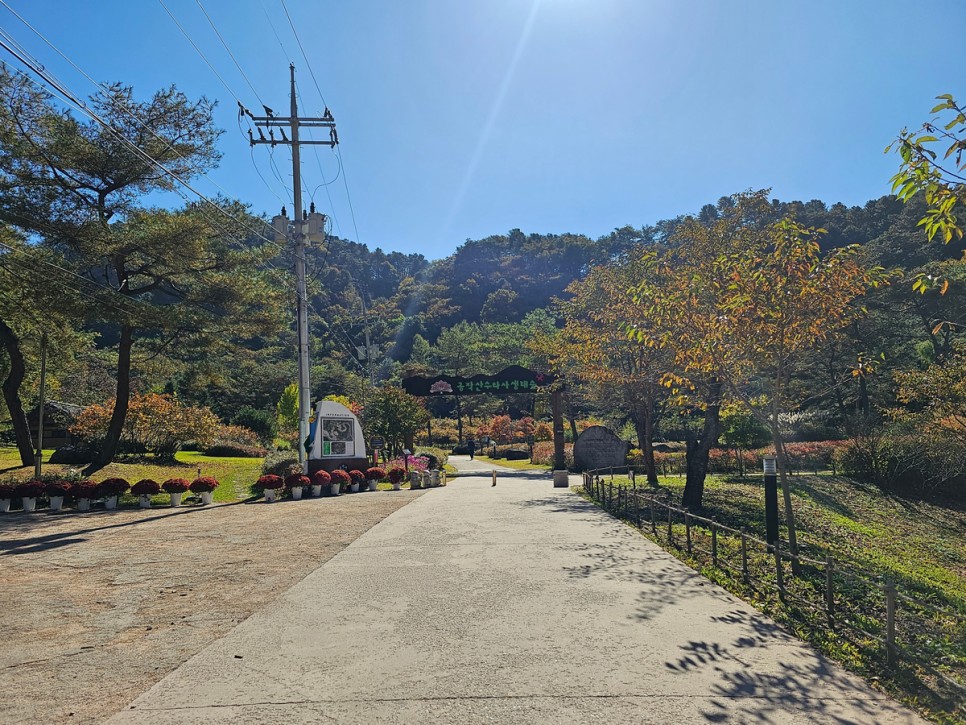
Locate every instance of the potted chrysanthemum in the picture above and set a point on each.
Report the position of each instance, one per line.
(144, 490)
(340, 480)
(269, 485)
(83, 492)
(29, 492)
(56, 490)
(357, 478)
(373, 476)
(396, 475)
(110, 489)
(320, 479)
(6, 493)
(296, 483)
(176, 488)
(205, 487)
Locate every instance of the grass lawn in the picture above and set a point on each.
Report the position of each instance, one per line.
(919, 545)
(234, 474)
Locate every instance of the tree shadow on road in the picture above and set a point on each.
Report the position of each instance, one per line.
(801, 682)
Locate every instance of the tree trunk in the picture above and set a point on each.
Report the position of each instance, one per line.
(643, 417)
(556, 406)
(123, 397)
(570, 417)
(11, 394)
(459, 420)
(786, 493)
(698, 453)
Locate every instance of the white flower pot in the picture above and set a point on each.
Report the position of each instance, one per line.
(395, 486)
(4, 505)
(29, 504)
(372, 484)
(316, 490)
(206, 497)
(110, 503)
(269, 495)
(333, 489)
(353, 488)
(144, 500)
(56, 503)
(296, 493)
(83, 504)
(176, 498)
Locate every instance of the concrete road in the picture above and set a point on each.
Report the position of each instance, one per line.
(515, 604)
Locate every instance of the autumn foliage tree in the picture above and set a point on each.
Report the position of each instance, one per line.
(158, 424)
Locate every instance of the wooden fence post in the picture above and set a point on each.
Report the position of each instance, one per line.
(829, 593)
(714, 545)
(637, 508)
(687, 530)
(779, 574)
(650, 503)
(892, 651)
(670, 531)
(744, 557)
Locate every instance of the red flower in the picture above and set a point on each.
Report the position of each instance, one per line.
(340, 477)
(297, 479)
(112, 487)
(396, 474)
(204, 484)
(84, 489)
(58, 488)
(269, 480)
(145, 487)
(375, 474)
(175, 485)
(357, 476)
(6, 490)
(30, 489)
(321, 478)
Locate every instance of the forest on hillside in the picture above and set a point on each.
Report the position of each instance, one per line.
(196, 303)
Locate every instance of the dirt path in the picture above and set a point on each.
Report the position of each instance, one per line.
(95, 608)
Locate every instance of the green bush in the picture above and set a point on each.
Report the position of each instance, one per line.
(227, 449)
(280, 463)
(262, 422)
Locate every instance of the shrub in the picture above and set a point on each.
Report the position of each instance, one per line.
(235, 450)
(297, 479)
(269, 480)
(58, 487)
(340, 477)
(543, 453)
(321, 478)
(375, 474)
(76, 453)
(396, 474)
(176, 485)
(112, 487)
(203, 484)
(158, 424)
(84, 489)
(281, 464)
(262, 422)
(146, 487)
(514, 454)
(30, 489)
(357, 476)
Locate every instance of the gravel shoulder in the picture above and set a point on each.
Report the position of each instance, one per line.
(95, 608)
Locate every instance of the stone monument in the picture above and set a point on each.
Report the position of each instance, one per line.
(599, 447)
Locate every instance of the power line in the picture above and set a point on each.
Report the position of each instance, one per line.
(304, 56)
(194, 45)
(230, 54)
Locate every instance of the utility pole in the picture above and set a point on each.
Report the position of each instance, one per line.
(305, 227)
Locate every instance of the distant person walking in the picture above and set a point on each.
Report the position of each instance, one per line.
(472, 446)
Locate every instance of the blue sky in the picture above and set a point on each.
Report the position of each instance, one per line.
(464, 118)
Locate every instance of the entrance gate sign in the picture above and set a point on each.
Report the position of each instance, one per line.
(514, 379)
